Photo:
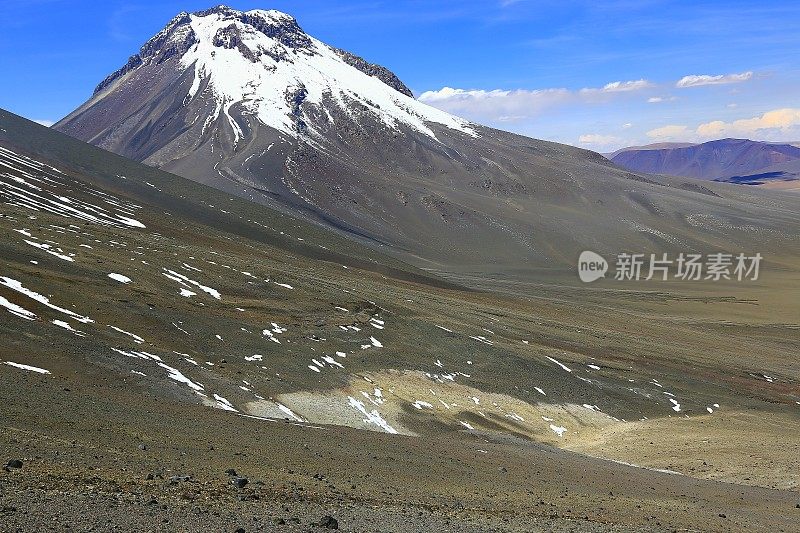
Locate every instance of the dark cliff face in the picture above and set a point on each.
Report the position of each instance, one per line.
(382, 73)
(283, 29)
(134, 62)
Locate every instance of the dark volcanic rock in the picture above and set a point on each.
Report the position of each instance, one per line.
(283, 29)
(230, 38)
(133, 62)
(240, 482)
(329, 522)
(382, 73)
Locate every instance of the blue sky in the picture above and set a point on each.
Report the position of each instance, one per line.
(599, 74)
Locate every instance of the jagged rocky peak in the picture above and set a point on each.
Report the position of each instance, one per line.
(178, 36)
(285, 29)
(274, 24)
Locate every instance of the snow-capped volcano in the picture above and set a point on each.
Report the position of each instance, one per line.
(261, 65)
(249, 103)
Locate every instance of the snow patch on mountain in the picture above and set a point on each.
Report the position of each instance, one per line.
(273, 77)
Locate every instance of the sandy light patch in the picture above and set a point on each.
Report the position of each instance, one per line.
(734, 447)
(411, 403)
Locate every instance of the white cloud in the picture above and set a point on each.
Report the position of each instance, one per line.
(495, 105)
(448, 93)
(511, 118)
(500, 105)
(705, 79)
(46, 123)
(596, 139)
(660, 99)
(775, 121)
(773, 125)
(670, 133)
(621, 87)
(627, 125)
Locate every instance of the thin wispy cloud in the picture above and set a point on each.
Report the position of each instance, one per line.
(499, 105)
(705, 79)
(621, 87)
(660, 99)
(671, 132)
(495, 105)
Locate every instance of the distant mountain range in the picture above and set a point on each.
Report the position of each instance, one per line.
(654, 146)
(730, 160)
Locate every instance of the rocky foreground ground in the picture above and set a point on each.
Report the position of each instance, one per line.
(139, 464)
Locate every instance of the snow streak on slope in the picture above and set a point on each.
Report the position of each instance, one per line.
(270, 78)
(29, 183)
